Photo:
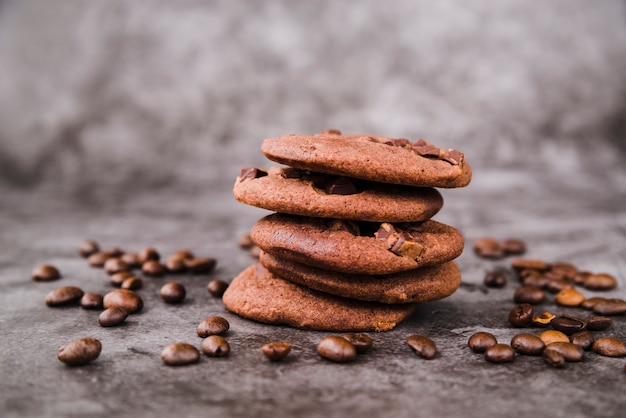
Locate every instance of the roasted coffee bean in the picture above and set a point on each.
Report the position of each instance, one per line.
(276, 351)
(590, 302)
(173, 292)
(529, 294)
(91, 300)
(87, 248)
(113, 252)
(200, 265)
(65, 295)
(336, 349)
(529, 264)
(245, 242)
(423, 346)
(583, 339)
(568, 325)
(153, 268)
(521, 315)
(180, 354)
(45, 273)
(147, 254)
(599, 323)
(569, 297)
(564, 270)
(215, 346)
(581, 276)
(118, 278)
(131, 259)
(609, 346)
(112, 316)
(496, 279)
(184, 253)
(535, 279)
(124, 298)
(544, 319)
(555, 285)
(80, 352)
(553, 358)
(255, 252)
(601, 281)
(571, 352)
(480, 341)
(527, 344)
(175, 264)
(362, 342)
(610, 307)
(488, 248)
(552, 336)
(500, 353)
(514, 246)
(132, 283)
(217, 287)
(97, 259)
(212, 325)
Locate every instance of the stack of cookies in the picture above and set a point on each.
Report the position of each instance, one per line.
(351, 245)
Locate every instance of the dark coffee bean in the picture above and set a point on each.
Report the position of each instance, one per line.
(175, 264)
(173, 292)
(529, 294)
(118, 278)
(255, 252)
(570, 351)
(488, 248)
(124, 298)
(180, 354)
(112, 316)
(569, 297)
(153, 268)
(590, 302)
(132, 283)
(480, 341)
(184, 253)
(610, 307)
(212, 325)
(609, 346)
(599, 323)
(568, 325)
(529, 264)
(215, 346)
(552, 336)
(527, 344)
(336, 349)
(45, 273)
(113, 252)
(496, 279)
(557, 285)
(276, 351)
(543, 320)
(80, 352)
(97, 259)
(514, 246)
(535, 279)
(553, 358)
(131, 259)
(217, 287)
(200, 265)
(362, 342)
(423, 346)
(580, 277)
(564, 270)
(601, 281)
(91, 300)
(500, 353)
(521, 315)
(583, 339)
(147, 254)
(65, 295)
(245, 242)
(87, 248)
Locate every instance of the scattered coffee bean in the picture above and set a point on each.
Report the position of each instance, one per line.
(556, 285)
(131, 259)
(255, 252)
(480, 341)
(118, 278)
(200, 265)
(535, 278)
(184, 253)
(336, 349)
(527, 344)
(113, 252)
(245, 242)
(609, 346)
(97, 259)
(91, 300)
(124, 298)
(571, 352)
(112, 316)
(153, 268)
(601, 281)
(599, 323)
(87, 248)
(45, 273)
(513, 246)
(529, 294)
(552, 336)
(583, 339)
(496, 279)
(568, 325)
(569, 297)
(423, 346)
(217, 287)
(147, 254)
(580, 277)
(564, 270)
(65, 295)
(173, 292)
(500, 353)
(175, 264)
(521, 315)
(215, 346)
(544, 319)
(180, 354)
(132, 283)
(80, 352)
(362, 342)
(590, 302)
(529, 264)
(276, 351)
(553, 358)
(212, 325)
(488, 248)
(610, 307)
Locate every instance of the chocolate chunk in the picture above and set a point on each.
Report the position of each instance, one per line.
(292, 173)
(427, 150)
(385, 231)
(331, 132)
(251, 173)
(398, 242)
(347, 226)
(453, 156)
(340, 185)
(397, 142)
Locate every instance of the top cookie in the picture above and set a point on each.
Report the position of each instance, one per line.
(370, 157)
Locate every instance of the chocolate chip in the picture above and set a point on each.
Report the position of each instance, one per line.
(452, 156)
(251, 173)
(427, 150)
(340, 186)
(397, 142)
(292, 173)
(397, 242)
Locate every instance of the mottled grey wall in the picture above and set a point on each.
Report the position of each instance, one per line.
(108, 97)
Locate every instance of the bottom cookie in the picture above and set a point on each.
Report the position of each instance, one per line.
(259, 295)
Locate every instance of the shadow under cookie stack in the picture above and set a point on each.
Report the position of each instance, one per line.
(351, 245)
